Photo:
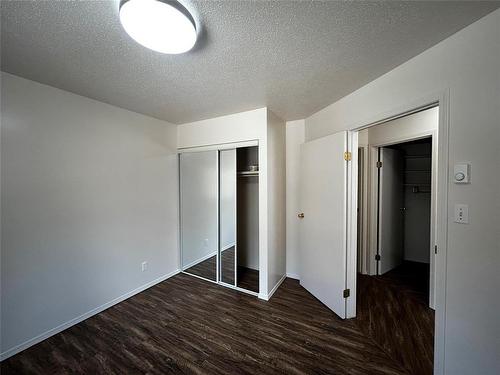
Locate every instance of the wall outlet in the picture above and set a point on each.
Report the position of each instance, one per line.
(144, 266)
(205, 242)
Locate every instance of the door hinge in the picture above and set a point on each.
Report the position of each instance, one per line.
(435, 249)
(379, 164)
(347, 156)
(377, 257)
(347, 293)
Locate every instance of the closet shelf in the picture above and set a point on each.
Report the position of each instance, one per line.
(417, 157)
(248, 173)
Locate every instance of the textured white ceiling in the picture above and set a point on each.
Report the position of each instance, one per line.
(295, 57)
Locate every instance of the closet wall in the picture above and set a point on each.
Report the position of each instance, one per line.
(269, 130)
(248, 209)
(417, 200)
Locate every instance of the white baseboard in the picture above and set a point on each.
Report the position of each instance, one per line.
(293, 276)
(268, 296)
(263, 296)
(51, 332)
(227, 247)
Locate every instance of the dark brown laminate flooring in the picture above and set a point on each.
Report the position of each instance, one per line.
(185, 325)
(393, 309)
(206, 269)
(247, 278)
(227, 266)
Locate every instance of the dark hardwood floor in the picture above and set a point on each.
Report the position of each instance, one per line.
(206, 269)
(227, 266)
(247, 278)
(185, 325)
(393, 309)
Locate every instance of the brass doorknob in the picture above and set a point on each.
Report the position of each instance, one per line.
(301, 215)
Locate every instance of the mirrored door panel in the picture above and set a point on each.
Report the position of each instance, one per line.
(198, 213)
(227, 212)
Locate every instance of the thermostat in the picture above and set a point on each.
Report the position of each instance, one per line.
(461, 173)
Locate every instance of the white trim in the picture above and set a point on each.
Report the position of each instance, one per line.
(219, 146)
(425, 102)
(352, 223)
(432, 243)
(363, 210)
(51, 332)
(441, 235)
(268, 296)
(200, 277)
(199, 260)
(372, 210)
(293, 276)
(217, 252)
(238, 289)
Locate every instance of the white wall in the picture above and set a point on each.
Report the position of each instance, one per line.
(238, 127)
(465, 66)
(89, 191)
(295, 132)
(414, 126)
(248, 222)
(199, 204)
(276, 153)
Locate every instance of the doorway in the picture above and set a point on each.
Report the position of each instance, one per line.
(329, 217)
(395, 276)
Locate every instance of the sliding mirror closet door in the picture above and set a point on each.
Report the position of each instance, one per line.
(198, 213)
(227, 216)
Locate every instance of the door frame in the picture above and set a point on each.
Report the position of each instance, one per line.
(363, 240)
(440, 180)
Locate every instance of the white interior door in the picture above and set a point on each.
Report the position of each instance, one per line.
(391, 210)
(323, 228)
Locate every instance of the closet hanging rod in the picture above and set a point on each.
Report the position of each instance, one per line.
(248, 173)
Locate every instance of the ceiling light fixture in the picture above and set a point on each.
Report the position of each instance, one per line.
(161, 25)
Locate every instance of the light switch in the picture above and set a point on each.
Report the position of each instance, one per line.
(461, 173)
(462, 213)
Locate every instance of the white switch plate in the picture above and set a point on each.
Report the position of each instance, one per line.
(144, 266)
(462, 213)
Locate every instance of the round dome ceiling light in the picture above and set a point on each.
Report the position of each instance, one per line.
(161, 25)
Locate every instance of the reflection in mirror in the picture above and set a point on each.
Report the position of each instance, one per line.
(198, 211)
(227, 190)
